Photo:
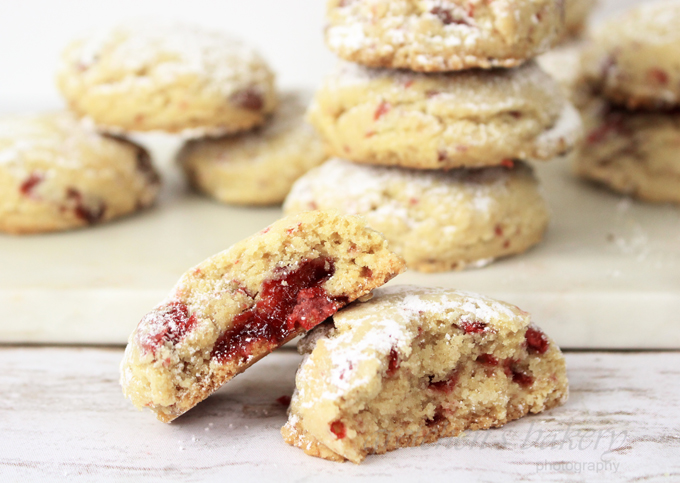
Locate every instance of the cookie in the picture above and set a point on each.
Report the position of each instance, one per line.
(256, 168)
(442, 35)
(632, 153)
(169, 77)
(576, 14)
(437, 221)
(237, 306)
(55, 174)
(415, 364)
(563, 63)
(443, 121)
(633, 58)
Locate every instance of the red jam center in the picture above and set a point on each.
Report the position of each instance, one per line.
(293, 300)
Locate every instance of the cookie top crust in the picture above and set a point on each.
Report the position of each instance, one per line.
(442, 35)
(444, 121)
(390, 321)
(394, 193)
(174, 77)
(58, 174)
(436, 220)
(239, 305)
(632, 59)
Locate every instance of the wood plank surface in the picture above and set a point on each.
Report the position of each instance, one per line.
(63, 416)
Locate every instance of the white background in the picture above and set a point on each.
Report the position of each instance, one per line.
(33, 32)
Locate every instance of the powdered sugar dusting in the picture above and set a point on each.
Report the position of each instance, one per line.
(146, 53)
(386, 192)
(54, 138)
(370, 331)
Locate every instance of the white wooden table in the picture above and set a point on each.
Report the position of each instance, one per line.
(62, 416)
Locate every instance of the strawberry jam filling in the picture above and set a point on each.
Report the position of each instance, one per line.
(168, 323)
(293, 300)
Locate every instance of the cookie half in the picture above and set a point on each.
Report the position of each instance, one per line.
(56, 174)
(237, 306)
(171, 77)
(633, 58)
(444, 121)
(259, 167)
(437, 221)
(413, 365)
(437, 36)
(632, 153)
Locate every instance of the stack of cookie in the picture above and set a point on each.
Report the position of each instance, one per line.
(631, 68)
(432, 124)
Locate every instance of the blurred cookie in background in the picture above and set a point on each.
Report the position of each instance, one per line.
(632, 59)
(56, 174)
(178, 78)
(258, 167)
